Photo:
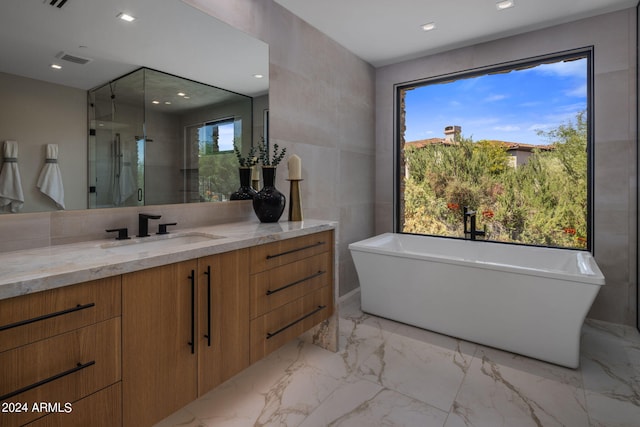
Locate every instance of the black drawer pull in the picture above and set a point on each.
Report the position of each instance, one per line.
(295, 250)
(192, 343)
(77, 368)
(46, 316)
(208, 335)
(314, 275)
(273, 334)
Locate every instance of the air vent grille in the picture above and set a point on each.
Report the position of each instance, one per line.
(72, 58)
(57, 3)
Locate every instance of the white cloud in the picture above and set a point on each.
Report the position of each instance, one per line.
(507, 128)
(496, 97)
(579, 92)
(564, 69)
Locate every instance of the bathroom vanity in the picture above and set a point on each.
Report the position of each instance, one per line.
(162, 322)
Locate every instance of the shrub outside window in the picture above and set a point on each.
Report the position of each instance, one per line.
(511, 143)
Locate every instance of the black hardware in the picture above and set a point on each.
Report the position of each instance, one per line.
(304, 279)
(123, 233)
(139, 194)
(59, 5)
(77, 368)
(295, 250)
(470, 229)
(272, 334)
(162, 228)
(208, 335)
(92, 189)
(46, 316)
(143, 223)
(192, 343)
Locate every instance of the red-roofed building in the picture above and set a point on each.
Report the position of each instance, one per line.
(519, 152)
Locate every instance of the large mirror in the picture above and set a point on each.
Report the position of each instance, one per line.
(168, 42)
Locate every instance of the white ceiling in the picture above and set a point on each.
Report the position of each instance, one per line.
(384, 32)
(168, 35)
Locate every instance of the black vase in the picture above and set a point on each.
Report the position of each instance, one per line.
(245, 192)
(269, 203)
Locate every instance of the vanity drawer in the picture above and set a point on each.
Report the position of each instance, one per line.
(279, 326)
(64, 368)
(282, 252)
(101, 409)
(29, 318)
(273, 288)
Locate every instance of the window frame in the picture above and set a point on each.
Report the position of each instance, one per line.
(398, 164)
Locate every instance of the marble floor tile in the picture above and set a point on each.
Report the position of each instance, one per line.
(423, 365)
(503, 390)
(611, 378)
(390, 374)
(363, 403)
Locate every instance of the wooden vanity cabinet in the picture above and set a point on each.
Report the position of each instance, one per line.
(59, 349)
(291, 289)
(185, 330)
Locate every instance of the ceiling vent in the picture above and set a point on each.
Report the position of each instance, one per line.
(57, 3)
(72, 58)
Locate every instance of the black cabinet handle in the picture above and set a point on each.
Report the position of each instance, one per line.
(77, 368)
(304, 279)
(47, 316)
(284, 328)
(295, 250)
(208, 335)
(192, 343)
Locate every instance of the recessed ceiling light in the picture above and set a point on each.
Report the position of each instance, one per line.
(181, 94)
(167, 102)
(428, 26)
(126, 17)
(504, 4)
(258, 76)
(56, 67)
(155, 102)
(187, 97)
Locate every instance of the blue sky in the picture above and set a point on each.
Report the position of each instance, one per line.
(507, 107)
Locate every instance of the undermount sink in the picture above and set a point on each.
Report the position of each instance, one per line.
(144, 244)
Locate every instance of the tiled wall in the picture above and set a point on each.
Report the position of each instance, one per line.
(321, 108)
(614, 39)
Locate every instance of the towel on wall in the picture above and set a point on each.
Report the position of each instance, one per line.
(50, 179)
(11, 194)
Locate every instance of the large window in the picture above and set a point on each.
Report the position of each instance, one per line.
(510, 144)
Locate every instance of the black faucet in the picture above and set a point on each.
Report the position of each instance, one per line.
(123, 233)
(470, 231)
(143, 224)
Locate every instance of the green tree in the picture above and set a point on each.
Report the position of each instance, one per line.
(542, 202)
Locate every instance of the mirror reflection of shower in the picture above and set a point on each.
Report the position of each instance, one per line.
(189, 157)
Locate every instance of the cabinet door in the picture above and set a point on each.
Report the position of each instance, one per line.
(159, 361)
(224, 316)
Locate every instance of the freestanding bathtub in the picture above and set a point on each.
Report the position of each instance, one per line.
(527, 300)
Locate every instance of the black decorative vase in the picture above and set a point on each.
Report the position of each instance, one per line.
(245, 192)
(269, 203)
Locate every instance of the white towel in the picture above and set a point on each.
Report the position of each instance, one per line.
(50, 179)
(10, 183)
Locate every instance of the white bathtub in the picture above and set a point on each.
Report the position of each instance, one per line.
(527, 300)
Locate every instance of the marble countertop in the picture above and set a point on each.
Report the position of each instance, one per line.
(33, 270)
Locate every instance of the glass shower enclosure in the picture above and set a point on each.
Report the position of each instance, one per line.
(156, 138)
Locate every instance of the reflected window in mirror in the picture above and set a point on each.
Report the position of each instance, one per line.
(217, 165)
